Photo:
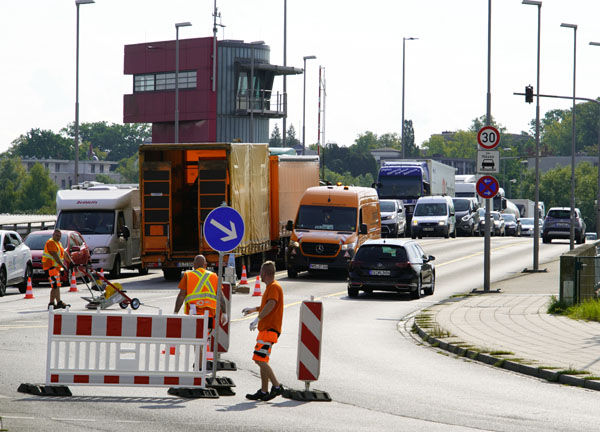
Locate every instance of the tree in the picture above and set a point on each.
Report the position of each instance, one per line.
(410, 150)
(129, 169)
(12, 175)
(38, 193)
(275, 140)
(104, 178)
(291, 139)
(41, 144)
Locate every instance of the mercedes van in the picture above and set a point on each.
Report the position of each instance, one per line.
(434, 216)
(331, 223)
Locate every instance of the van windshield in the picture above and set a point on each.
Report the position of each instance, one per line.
(430, 209)
(461, 205)
(387, 206)
(87, 222)
(327, 218)
(400, 187)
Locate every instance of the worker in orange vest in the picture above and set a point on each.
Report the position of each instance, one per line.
(53, 262)
(198, 290)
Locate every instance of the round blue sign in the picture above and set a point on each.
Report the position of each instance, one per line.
(223, 229)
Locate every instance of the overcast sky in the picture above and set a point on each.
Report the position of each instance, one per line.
(359, 43)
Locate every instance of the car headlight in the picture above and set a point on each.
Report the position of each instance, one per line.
(101, 250)
(415, 222)
(294, 244)
(349, 246)
(466, 218)
(442, 222)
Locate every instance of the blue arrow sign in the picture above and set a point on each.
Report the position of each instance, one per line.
(223, 229)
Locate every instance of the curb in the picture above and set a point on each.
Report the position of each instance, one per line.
(545, 374)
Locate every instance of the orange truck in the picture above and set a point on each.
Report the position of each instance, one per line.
(180, 184)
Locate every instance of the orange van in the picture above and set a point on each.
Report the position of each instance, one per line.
(331, 223)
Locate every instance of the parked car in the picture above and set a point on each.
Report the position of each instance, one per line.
(558, 225)
(527, 226)
(467, 215)
(512, 225)
(591, 236)
(15, 262)
(393, 218)
(391, 265)
(433, 216)
(71, 241)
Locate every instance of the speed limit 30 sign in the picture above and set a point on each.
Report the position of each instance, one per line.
(488, 137)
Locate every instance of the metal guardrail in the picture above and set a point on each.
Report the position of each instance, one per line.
(25, 224)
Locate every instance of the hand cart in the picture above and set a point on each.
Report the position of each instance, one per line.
(104, 293)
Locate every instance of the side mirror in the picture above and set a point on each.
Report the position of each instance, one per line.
(363, 229)
(9, 247)
(430, 258)
(289, 225)
(125, 233)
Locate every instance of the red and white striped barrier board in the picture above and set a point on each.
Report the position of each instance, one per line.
(115, 349)
(309, 340)
(224, 329)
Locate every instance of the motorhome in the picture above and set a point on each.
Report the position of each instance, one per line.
(108, 218)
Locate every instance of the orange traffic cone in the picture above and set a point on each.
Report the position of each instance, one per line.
(102, 272)
(29, 293)
(244, 280)
(257, 288)
(73, 284)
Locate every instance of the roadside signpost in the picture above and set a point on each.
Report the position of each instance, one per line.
(223, 231)
(488, 137)
(487, 187)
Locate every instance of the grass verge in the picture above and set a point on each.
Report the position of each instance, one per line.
(588, 310)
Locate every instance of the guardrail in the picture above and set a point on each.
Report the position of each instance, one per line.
(25, 224)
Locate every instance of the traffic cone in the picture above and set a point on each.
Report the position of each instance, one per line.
(102, 272)
(244, 280)
(73, 284)
(257, 292)
(29, 293)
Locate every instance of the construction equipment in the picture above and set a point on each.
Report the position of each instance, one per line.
(103, 292)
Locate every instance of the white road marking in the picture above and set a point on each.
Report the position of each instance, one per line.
(72, 419)
(17, 417)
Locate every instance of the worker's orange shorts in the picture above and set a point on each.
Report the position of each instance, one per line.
(264, 341)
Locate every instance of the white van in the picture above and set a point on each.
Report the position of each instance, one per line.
(108, 218)
(434, 216)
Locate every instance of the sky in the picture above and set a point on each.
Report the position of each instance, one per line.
(358, 43)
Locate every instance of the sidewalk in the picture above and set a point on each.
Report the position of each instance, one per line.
(514, 331)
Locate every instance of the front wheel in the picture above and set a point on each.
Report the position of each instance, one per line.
(116, 270)
(2, 282)
(123, 305)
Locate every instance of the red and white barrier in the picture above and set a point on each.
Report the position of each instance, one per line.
(125, 349)
(224, 329)
(309, 341)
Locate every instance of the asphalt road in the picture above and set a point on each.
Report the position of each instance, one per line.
(379, 376)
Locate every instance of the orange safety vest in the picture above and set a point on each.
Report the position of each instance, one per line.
(48, 260)
(201, 291)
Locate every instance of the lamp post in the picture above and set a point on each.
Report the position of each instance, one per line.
(283, 140)
(598, 192)
(510, 182)
(572, 235)
(251, 99)
(404, 39)
(77, 3)
(312, 57)
(506, 149)
(181, 24)
(536, 216)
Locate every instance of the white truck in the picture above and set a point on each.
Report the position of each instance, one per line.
(108, 218)
(526, 207)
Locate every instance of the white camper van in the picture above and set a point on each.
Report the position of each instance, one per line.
(108, 217)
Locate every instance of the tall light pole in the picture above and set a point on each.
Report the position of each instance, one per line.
(177, 25)
(311, 57)
(404, 39)
(598, 192)
(572, 236)
(283, 141)
(77, 3)
(536, 215)
(251, 99)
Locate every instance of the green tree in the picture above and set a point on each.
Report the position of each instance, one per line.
(275, 140)
(104, 178)
(39, 143)
(291, 139)
(129, 169)
(38, 193)
(411, 150)
(12, 176)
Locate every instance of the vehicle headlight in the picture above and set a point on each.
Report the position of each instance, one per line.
(466, 218)
(415, 222)
(294, 244)
(442, 222)
(349, 246)
(101, 250)
(386, 217)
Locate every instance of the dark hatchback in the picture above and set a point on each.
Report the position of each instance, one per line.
(391, 265)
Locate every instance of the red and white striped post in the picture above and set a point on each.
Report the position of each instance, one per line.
(309, 341)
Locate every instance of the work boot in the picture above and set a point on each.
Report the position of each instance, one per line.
(62, 305)
(275, 391)
(259, 395)
(51, 304)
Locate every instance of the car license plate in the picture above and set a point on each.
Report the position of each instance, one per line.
(563, 225)
(379, 272)
(185, 264)
(427, 229)
(318, 266)
(38, 271)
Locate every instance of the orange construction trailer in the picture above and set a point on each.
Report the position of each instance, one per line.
(180, 184)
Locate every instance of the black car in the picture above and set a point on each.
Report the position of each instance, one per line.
(512, 225)
(558, 225)
(391, 265)
(467, 215)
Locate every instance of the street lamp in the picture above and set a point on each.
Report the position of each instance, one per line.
(536, 216)
(506, 149)
(598, 197)
(404, 39)
(312, 57)
(177, 25)
(77, 3)
(510, 182)
(251, 99)
(572, 235)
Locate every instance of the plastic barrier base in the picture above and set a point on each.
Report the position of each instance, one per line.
(194, 392)
(45, 390)
(222, 385)
(222, 365)
(306, 396)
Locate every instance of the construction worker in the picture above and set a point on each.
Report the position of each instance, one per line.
(53, 262)
(268, 321)
(198, 289)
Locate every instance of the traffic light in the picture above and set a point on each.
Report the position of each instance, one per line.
(529, 94)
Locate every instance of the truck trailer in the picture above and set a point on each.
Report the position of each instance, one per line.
(182, 183)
